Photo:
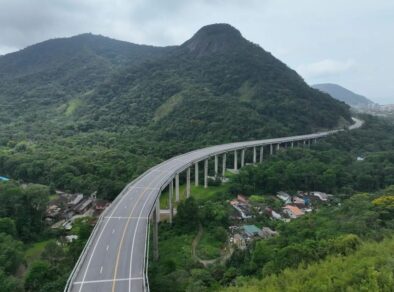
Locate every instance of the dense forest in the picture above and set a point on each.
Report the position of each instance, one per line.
(347, 243)
(89, 113)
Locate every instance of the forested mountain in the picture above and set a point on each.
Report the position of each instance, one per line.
(90, 113)
(345, 95)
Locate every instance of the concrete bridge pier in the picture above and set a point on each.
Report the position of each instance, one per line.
(196, 174)
(188, 182)
(170, 195)
(235, 160)
(155, 225)
(177, 187)
(261, 154)
(254, 155)
(271, 149)
(206, 173)
(243, 158)
(216, 165)
(224, 164)
(292, 144)
(278, 147)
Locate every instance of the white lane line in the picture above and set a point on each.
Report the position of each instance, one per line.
(107, 247)
(108, 280)
(101, 270)
(134, 235)
(146, 188)
(102, 231)
(125, 217)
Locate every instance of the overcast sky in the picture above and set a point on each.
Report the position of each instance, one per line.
(349, 42)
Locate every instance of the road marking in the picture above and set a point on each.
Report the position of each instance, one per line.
(135, 232)
(124, 233)
(113, 230)
(101, 270)
(107, 247)
(125, 217)
(108, 280)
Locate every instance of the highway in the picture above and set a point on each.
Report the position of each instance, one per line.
(114, 258)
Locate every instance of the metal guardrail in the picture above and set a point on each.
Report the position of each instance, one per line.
(232, 147)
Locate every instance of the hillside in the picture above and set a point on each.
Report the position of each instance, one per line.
(87, 112)
(336, 91)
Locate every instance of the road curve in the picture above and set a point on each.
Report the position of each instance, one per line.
(114, 259)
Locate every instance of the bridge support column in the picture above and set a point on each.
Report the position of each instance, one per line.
(216, 165)
(235, 160)
(170, 194)
(271, 149)
(155, 225)
(292, 144)
(224, 164)
(242, 157)
(196, 174)
(303, 143)
(177, 187)
(188, 183)
(205, 173)
(277, 147)
(254, 155)
(261, 154)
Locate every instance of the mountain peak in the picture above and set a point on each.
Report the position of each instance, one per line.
(214, 38)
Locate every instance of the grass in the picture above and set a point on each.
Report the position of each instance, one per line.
(199, 193)
(34, 251)
(176, 248)
(72, 106)
(209, 247)
(53, 197)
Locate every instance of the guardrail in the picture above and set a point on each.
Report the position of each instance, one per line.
(225, 148)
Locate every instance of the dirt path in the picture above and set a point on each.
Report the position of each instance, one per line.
(195, 242)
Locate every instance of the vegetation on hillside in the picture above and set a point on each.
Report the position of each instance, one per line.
(332, 238)
(90, 114)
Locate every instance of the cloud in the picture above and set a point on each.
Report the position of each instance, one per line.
(324, 68)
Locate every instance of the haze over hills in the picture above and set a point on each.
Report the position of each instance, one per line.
(84, 106)
(336, 91)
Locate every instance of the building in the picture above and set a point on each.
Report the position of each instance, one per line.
(3, 178)
(321, 196)
(78, 198)
(299, 202)
(82, 208)
(292, 211)
(285, 197)
(251, 230)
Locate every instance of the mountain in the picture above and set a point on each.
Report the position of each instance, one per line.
(88, 112)
(336, 91)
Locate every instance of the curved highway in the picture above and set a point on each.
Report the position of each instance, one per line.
(114, 258)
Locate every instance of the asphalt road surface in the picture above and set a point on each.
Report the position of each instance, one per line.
(114, 257)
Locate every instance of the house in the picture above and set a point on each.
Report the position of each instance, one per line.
(242, 199)
(272, 214)
(78, 198)
(292, 211)
(285, 197)
(300, 203)
(267, 232)
(321, 196)
(82, 208)
(100, 205)
(251, 230)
